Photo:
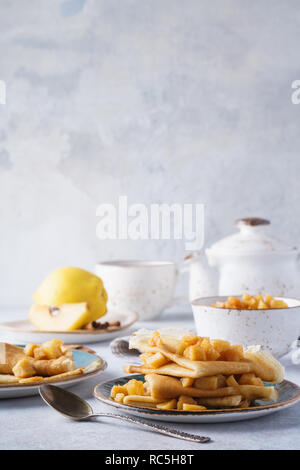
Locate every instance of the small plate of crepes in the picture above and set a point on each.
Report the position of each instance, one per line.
(24, 368)
(195, 379)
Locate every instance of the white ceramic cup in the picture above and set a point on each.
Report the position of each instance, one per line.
(275, 329)
(145, 287)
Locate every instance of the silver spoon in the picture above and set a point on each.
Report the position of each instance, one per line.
(74, 407)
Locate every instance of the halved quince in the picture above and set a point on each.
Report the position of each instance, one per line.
(61, 317)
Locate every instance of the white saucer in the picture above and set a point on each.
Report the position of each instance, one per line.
(22, 331)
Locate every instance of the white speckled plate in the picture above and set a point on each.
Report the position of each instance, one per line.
(289, 394)
(91, 363)
(24, 332)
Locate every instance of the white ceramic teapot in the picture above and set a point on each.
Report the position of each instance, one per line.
(247, 261)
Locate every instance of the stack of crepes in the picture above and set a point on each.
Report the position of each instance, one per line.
(194, 373)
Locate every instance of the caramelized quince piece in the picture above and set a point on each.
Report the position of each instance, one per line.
(145, 356)
(135, 387)
(252, 304)
(156, 360)
(24, 368)
(195, 353)
(278, 304)
(234, 354)
(220, 345)
(191, 407)
(119, 397)
(29, 349)
(188, 340)
(146, 388)
(155, 340)
(257, 381)
(268, 299)
(118, 389)
(259, 297)
(187, 382)
(221, 381)
(231, 381)
(262, 305)
(211, 353)
(250, 379)
(246, 297)
(233, 302)
(219, 304)
(167, 405)
(184, 399)
(39, 353)
(207, 383)
(53, 348)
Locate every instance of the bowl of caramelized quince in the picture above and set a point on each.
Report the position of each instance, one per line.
(262, 319)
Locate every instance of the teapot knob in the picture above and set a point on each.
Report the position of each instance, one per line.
(192, 257)
(251, 222)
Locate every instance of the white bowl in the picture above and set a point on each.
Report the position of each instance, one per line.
(274, 329)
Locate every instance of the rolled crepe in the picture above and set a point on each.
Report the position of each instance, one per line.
(182, 367)
(54, 366)
(28, 367)
(169, 369)
(139, 400)
(221, 402)
(8, 379)
(256, 360)
(162, 387)
(265, 365)
(9, 356)
(140, 340)
(168, 387)
(258, 392)
(261, 362)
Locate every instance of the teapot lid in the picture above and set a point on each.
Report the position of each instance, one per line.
(251, 238)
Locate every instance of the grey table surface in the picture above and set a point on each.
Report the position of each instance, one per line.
(27, 423)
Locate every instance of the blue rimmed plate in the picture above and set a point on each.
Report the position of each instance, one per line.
(91, 363)
(289, 394)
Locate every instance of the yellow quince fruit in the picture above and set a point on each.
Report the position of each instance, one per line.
(72, 285)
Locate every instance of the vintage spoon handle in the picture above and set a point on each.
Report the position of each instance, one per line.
(156, 427)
